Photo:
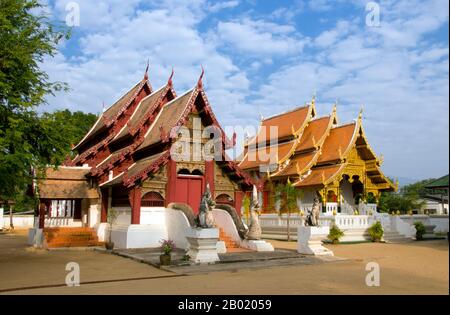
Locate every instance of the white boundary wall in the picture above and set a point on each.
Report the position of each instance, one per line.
(19, 221)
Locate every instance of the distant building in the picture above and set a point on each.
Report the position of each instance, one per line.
(436, 196)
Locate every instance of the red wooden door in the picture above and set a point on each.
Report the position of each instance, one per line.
(189, 190)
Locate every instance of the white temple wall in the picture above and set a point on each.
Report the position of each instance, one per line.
(1, 218)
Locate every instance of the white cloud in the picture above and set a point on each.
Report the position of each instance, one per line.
(260, 37)
(223, 5)
(404, 90)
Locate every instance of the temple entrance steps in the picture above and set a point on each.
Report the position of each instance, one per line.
(393, 237)
(229, 243)
(70, 237)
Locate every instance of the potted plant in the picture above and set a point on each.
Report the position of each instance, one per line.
(335, 234)
(111, 219)
(420, 230)
(167, 246)
(376, 232)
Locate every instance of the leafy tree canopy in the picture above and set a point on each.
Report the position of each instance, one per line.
(26, 141)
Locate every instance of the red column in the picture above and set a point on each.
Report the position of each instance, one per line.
(104, 210)
(41, 215)
(135, 201)
(238, 196)
(171, 181)
(209, 175)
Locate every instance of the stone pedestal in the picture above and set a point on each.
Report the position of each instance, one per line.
(221, 247)
(203, 245)
(257, 245)
(309, 240)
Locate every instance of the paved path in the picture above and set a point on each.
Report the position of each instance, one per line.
(410, 268)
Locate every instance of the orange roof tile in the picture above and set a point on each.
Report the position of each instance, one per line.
(267, 155)
(319, 176)
(285, 122)
(147, 104)
(166, 119)
(340, 139)
(112, 111)
(315, 130)
(298, 163)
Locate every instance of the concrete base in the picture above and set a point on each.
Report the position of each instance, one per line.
(137, 236)
(429, 231)
(310, 240)
(221, 247)
(203, 245)
(35, 237)
(259, 245)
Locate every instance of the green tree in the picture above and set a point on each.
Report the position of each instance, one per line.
(287, 194)
(26, 142)
(67, 127)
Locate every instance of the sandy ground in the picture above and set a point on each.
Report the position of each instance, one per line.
(406, 268)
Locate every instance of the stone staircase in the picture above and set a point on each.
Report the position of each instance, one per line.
(229, 243)
(70, 237)
(394, 237)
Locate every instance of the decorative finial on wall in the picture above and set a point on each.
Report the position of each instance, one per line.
(200, 82)
(169, 82)
(146, 70)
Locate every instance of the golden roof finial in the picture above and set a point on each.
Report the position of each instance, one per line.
(340, 152)
(314, 141)
(323, 177)
(381, 158)
(297, 168)
(313, 100)
(361, 112)
(293, 129)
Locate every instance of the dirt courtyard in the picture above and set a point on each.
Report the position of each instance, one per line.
(405, 268)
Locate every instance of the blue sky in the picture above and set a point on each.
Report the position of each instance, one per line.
(265, 57)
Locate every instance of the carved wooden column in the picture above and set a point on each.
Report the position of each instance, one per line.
(104, 209)
(209, 175)
(135, 196)
(171, 181)
(41, 215)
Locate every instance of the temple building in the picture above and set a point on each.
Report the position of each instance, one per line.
(147, 150)
(320, 157)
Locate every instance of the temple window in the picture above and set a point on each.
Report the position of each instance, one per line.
(152, 199)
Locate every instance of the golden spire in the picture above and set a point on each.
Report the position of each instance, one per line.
(361, 112)
(313, 100)
(381, 159)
